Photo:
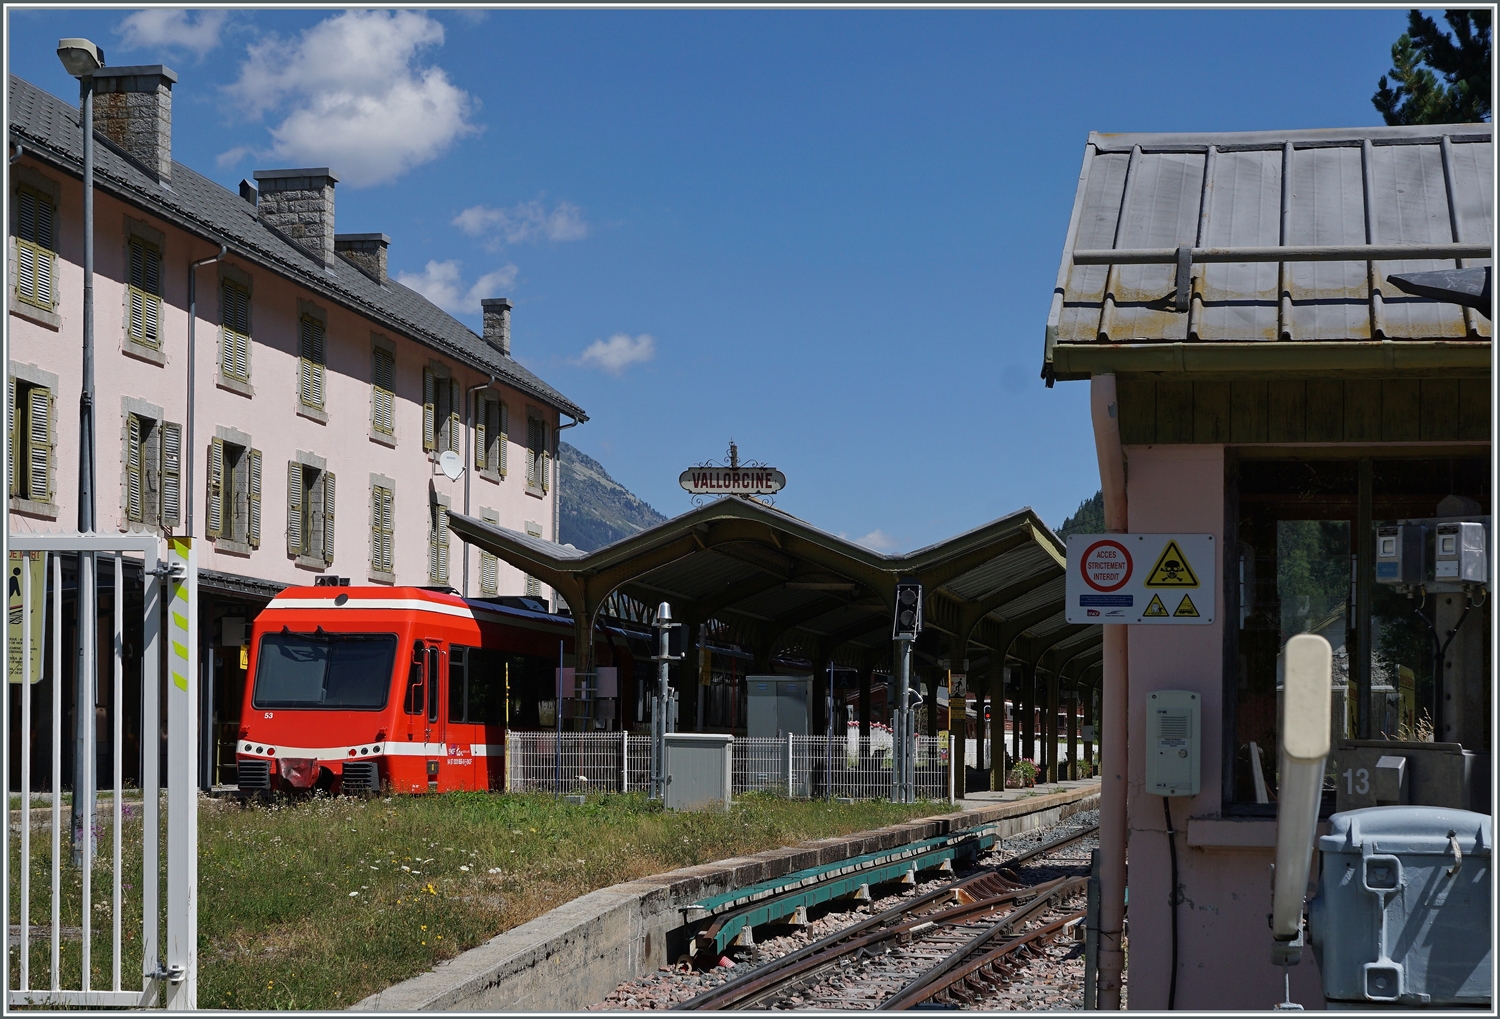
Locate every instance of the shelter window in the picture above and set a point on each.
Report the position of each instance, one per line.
(1295, 569)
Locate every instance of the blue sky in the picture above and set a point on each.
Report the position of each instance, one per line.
(830, 235)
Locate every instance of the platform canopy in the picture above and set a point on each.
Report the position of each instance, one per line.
(779, 584)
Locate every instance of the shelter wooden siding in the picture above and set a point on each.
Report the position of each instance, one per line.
(1156, 411)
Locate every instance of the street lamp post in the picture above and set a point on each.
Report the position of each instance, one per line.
(81, 58)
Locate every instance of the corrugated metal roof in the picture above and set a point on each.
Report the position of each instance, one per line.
(1226, 190)
(49, 128)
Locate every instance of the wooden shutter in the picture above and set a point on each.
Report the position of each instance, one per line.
(171, 473)
(328, 501)
(17, 444)
(42, 233)
(481, 450)
(380, 529)
(442, 545)
(44, 292)
(137, 324)
(26, 270)
(489, 573)
(134, 486)
(455, 425)
(153, 298)
(429, 409)
(215, 507)
(235, 357)
(312, 362)
(383, 380)
(432, 546)
(39, 444)
(26, 209)
(546, 458)
(293, 508)
(34, 249)
(253, 537)
(151, 471)
(504, 440)
(240, 496)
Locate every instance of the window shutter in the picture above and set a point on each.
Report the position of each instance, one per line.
(481, 450)
(381, 500)
(240, 496)
(137, 298)
(253, 456)
(312, 362)
(26, 208)
(429, 409)
(134, 494)
(504, 440)
(328, 502)
(489, 573)
(44, 216)
(383, 379)
(171, 473)
(16, 442)
(546, 458)
(152, 265)
(26, 271)
(236, 327)
(215, 507)
(39, 447)
(293, 508)
(442, 545)
(43, 292)
(455, 422)
(432, 546)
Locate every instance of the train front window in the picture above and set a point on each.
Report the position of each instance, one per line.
(334, 670)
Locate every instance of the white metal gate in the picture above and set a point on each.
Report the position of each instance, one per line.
(43, 966)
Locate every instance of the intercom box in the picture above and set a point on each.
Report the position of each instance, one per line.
(1173, 742)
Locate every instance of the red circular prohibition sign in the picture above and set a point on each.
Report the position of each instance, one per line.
(1106, 565)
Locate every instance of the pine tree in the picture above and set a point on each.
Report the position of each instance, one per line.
(1088, 519)
(1422, 55)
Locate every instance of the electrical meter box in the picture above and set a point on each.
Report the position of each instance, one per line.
(777, 706)
(1459, 554)
(1402, 914)
(1173, 739)
(1399, 554)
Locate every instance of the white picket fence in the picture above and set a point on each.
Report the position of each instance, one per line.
(800, 767)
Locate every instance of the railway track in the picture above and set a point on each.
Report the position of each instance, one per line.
(950, 946)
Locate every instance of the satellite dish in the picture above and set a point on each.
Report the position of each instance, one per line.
(451, 464)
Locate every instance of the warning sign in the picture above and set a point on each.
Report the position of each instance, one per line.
(1103, 585)
(1172, 569)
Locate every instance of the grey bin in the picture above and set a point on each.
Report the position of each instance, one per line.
(700, 770)
(1399, 918)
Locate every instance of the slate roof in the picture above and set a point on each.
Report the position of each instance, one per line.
(1423, 185)
(49, 129)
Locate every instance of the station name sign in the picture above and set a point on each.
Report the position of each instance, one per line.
(732, 480)
(1141, 579)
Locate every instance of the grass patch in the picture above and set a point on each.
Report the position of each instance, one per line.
(319, 903)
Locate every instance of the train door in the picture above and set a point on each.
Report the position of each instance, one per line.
(422, 714)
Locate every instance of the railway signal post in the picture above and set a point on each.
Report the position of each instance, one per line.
(661, 709)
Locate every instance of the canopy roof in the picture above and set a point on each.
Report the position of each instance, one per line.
(780, 584)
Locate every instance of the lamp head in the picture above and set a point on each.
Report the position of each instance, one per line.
(79, 57)
(663, 614)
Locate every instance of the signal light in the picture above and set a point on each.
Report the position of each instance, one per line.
(908, 610)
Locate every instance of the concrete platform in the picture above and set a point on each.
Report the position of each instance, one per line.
(573, 956)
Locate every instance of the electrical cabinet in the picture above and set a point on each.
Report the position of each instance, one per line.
(777, 706)
(1173, 742)
(1399, 553)
(1459, 554)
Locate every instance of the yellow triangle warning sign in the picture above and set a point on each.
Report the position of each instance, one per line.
(1171, 569)
(1186, 608)
(1156, 608)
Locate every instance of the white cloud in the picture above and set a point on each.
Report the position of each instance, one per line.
(442, 284)
(231, 156)
(878, 540)
(352, 97)
(617, 353)
(524, 222)
(172, 28)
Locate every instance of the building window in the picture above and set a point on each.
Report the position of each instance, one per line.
(153, 471)
(32, 441)
(538, 456)
(234, 490)
(1295, 568)
(144, 293)
(383, 390)
(35, 249)
(533, 586)
(310, 491)
(312, 361)
(440, 404)
(382, 530)
(437, 545)
(490, 438)
(489, 563)
(234, 344)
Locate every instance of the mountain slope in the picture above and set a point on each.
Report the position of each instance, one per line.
(596, 509)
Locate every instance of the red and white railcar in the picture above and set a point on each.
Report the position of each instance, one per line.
(401, 688)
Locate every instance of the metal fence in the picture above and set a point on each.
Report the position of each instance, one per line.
(800, 767)
(584, 762)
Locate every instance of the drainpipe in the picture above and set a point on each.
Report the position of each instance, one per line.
(469, 465)
(189, 453)
(1115, 762)
(557, 490)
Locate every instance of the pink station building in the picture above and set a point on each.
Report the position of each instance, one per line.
(325, 391)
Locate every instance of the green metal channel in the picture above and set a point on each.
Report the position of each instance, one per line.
(872, 869)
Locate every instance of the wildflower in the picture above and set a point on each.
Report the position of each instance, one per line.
(463, 866)
(424, 926)
(405, 867)
(353, 895)
(496, 870)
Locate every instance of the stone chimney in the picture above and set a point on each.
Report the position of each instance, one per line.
(365, 251)
(299, 203)
(497, 323)
(133, 109)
